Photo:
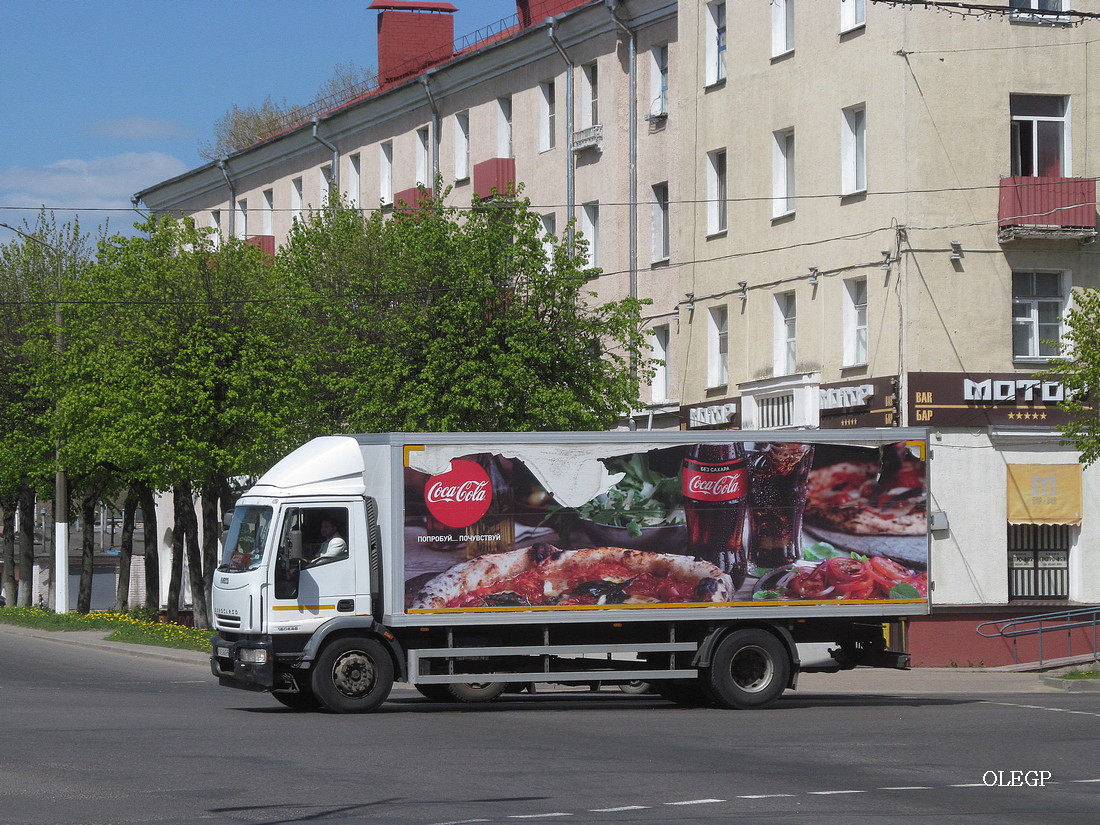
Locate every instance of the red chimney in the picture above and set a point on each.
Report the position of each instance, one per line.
(412, 35)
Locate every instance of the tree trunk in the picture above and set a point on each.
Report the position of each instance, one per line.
(181, 501)
(7, 550)
(212, 495)
(87, 550)
(25, 542)
(194, 564)
(150, 545)
(126, 551)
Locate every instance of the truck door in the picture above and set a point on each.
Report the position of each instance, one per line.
(314, 570)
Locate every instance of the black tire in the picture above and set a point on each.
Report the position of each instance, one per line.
(437, 693)
(472, 692)
(686, 692)
(637, 687)
(303, 700)
(749, 669)
(352, 675)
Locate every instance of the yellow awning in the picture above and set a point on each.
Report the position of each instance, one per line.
(1044, 493)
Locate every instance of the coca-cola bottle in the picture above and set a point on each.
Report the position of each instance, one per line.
(714, 481)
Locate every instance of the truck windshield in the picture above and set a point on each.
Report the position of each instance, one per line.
(246, 539)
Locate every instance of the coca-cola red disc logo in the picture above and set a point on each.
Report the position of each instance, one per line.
(461, 496)
(714, 482)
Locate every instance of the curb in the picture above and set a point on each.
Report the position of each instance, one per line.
(98, 639)
(1072, 685)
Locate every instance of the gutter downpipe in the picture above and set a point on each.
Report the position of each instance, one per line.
(335, 182)
(224, 167)
(425, 81)
(570, 172)
(632, 41)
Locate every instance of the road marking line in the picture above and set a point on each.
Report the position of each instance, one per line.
(539, 816)
(1085, 780)
(907, 788)
(763, 795)
(1041, 707)
(462, 822)
(830, 793)
(696, 802)
(621, 808)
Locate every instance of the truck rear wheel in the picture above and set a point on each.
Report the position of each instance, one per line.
(472, 692)
(352, 675)
(749, 669)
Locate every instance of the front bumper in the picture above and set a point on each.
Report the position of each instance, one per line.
(247, 665)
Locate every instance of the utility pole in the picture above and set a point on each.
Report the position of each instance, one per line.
(61, 484)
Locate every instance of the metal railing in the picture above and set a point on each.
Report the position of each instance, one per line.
(1066, 621)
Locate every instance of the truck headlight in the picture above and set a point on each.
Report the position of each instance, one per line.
(252, 655)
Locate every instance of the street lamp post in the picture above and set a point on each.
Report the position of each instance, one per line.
(61, 485)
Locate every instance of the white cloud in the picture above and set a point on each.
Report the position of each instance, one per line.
(136, 128)
(97, 189)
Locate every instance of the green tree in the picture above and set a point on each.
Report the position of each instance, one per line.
(1079, 372)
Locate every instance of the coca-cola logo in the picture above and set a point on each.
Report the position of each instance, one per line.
(461, 496)
(703, 482)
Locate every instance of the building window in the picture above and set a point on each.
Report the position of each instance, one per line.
(1038, 561)
(504, 127)
(590, 95)
(855, 322)
(216, 225)
(853, 14)
(550, 237)
(423, 158)
(297, 199)
(782, 173)
(385, 172)
(660, 222)
(241, 229)
(590, 228)
(268, 216)
(658, 84)
(716, 192)
(716, 43)
(782, 27)
(658, 387)
(785, 328)
(462, 145)
(1040, 124)
(326, 184)
(355, 180)
(1038, 302)
(548, 116)
(1024, 10)
(718, 347)
(853, 150)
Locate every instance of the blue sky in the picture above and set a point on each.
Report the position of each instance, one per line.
(102, 98)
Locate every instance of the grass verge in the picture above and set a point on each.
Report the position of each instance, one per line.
(127, 627)
(1082, 674)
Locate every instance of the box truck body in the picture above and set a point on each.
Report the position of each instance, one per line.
(461, 563)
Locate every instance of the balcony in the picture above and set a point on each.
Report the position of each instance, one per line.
(412, 200)
(591, 137)
(496, 176)
(1047, 209)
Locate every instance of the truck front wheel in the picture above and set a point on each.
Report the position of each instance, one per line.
(749, 669)
(352, 675)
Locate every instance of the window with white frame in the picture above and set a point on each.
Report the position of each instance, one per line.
(718, 373)
(782, 173)
(590, 95)
(590, 228)
(548, 115)
(462, 145)
(785, 329)
(658, 81)
(297, 199)
(853, 149)
(716, 192)
(775, 403)
(1029, 10)
(715, 24)
(216, 225)
(1038, 304)
(853, 14)
(504, 127)
(423, 157)
(855, 322)
(385, 172)
(660, 227)
(241, 229)
(268, 214)
(782, 27)
(658, 386)
(550, 236)
(355, 179)
(326, 184)
(1040, 135)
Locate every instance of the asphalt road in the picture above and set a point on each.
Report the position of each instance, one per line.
(97, 736)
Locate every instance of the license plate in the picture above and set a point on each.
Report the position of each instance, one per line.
(223, 652)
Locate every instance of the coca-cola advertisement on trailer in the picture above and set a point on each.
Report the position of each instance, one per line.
(735, 523)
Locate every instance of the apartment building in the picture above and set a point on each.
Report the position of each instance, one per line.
(846, 214)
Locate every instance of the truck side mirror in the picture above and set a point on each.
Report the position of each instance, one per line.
(295, 544)
(227, 518)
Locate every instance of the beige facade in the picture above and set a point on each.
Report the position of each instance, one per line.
(842, 211)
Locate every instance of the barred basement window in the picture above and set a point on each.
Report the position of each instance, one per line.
(1038, 561)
